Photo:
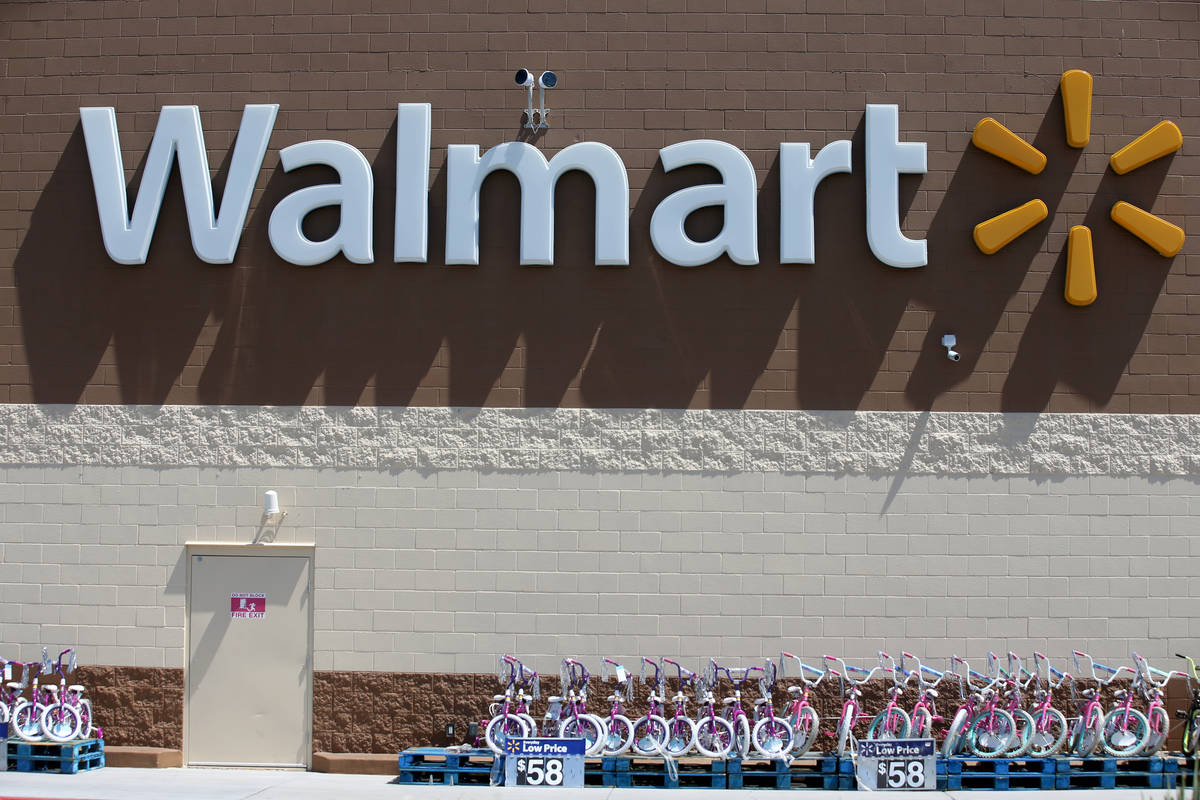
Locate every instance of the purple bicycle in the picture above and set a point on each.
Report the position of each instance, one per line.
(506, 721)
(619, 734)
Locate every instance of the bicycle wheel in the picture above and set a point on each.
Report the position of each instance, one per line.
(1089, 731)
(805, 730)
(922, 724)
(26, 721)
(588, 727)
(500, 728)
(649, 735)
(714, 737)
(772, 738)
(845, 736)
(619, 735)
(953, 742)
(60, 723)
(1191, 732)
(85, 714)
(681, 736)
(4, 713)
(1159, 727)
(991, 733)
(743, 736)
(1023, 736)
(1049, 733)
(1125, 732)
(891, 723)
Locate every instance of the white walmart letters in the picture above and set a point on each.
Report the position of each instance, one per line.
(215, 239)
(215, 236)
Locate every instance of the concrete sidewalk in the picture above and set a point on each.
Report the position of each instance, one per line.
(113, 783)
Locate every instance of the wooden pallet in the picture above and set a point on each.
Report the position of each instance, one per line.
(67, 759)
(997, 774)
(690, 773)
(435, 765)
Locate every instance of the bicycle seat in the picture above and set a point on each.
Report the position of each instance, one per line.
(50, 687)
(729, 701)
(497, 697)
(15, 686)
(931, 692)
(795, 689)
(75, 687)
(761, 700)
(614, 698)
(553, 699)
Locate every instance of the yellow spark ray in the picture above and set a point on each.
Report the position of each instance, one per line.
(1164, 237)
(992, 137)
(993, 234)
(1081, 267)
(1163, 139)
(1076, 88)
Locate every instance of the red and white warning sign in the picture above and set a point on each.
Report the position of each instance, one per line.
(247, 605)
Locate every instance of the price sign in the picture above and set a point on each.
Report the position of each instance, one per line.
(543, 762)
(897, 764)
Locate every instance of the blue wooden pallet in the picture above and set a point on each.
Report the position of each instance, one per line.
(690, 773)
(1117, 773)
(997, 774)
(439, 766)
(67, 759)
(827, 772)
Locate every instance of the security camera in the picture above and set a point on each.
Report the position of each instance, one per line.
(524, 78)
(948, 342)
(547, 80)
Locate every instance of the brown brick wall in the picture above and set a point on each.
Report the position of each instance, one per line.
(138, 706)
(846, 332)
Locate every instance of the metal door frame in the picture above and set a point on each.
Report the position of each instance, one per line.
(241, 549)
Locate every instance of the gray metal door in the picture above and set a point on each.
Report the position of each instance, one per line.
(249, 681)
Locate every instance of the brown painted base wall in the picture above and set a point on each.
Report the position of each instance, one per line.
(383, 712)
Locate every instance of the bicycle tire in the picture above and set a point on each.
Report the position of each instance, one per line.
(502, 726)
(714, 737)
(1191, 732)
(26, 721)
(60, 723)
(994, 740)
(85, 713)
(772, 738)
(1125, 732)
(805, 731)
(681, 736)
(743, 736)
(1158, 737)
(922, 724)
(954, 734)
(1089, 732)
(1023, 735)
(5, 715)
(891, 723)
(1048, 738)
(845, 736)
(588, 727)
(618, 735)
(649, 735)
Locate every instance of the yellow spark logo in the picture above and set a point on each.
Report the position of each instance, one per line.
(1161, 140)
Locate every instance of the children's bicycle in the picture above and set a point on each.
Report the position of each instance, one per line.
(771, 736)
(63, 719)
(1156, 712)
(618, 735)
(26, 721)
(650, 730)
(734, 714)
(800, 713)
(847, 745)
(924, 712)
(893, 722)
(1191, 717)
(714, 734)
(1050, 727)
(573, 719)
(681, 731)
(505, 721)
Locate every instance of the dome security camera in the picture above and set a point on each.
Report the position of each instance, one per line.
(548, 80)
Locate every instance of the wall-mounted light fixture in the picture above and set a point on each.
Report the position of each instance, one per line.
(272, 518)
(535, 118)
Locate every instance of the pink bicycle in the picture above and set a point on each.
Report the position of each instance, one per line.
(893, 722)
(64, 719)
(771, 735)
(979, 725)
(924, 712)
(1049, 725)
(574, 721)
(800, 713)
(714, 734)
(851, 713)
(1156, 712)
(734, 714)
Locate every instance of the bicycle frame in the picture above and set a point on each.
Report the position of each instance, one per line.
(802, 697)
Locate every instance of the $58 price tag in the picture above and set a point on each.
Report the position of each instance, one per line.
(900, 774)
(539, 771)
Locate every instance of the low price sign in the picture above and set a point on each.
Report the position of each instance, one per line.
(897, 764)
(543, 762)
